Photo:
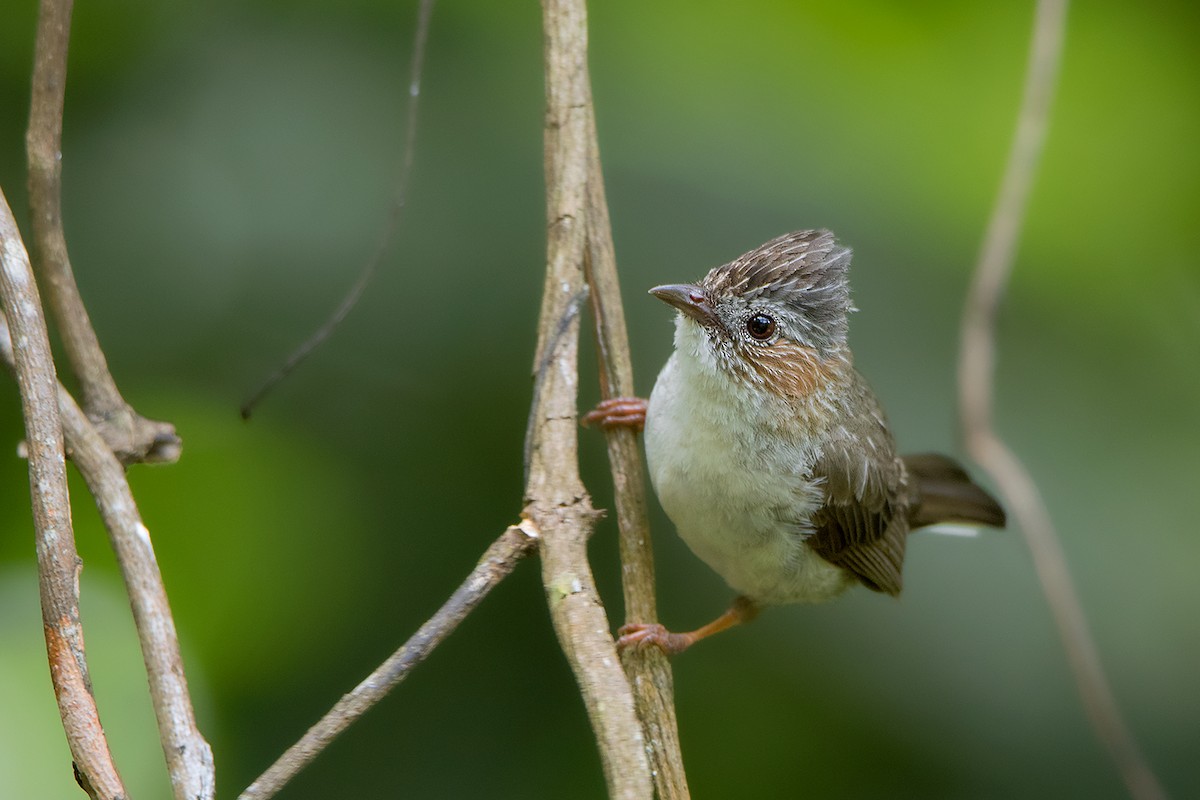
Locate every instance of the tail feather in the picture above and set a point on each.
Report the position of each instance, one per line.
(944, 492)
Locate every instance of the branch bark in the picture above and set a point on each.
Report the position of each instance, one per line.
(58, 561)
(129, 435)
(976, 376)
(648, 668)
(556, 499)
(188, 756)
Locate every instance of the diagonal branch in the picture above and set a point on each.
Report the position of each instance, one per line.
(130, 436)
(58, 561)
(386, 236)
(976, 374)
(648, 668)
(188, 756)
(494, 566)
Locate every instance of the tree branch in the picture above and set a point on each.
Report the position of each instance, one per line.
(386, 236)
(976, 373)
(556, 498)
(130, 436)
(648, 668)
(494, 566)
(58, 561)
(188, 756)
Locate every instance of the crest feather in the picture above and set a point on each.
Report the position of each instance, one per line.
(806, 270)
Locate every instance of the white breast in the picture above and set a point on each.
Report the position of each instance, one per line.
(735, 489)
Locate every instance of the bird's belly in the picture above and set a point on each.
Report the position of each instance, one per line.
(758, 557)
(741, 508)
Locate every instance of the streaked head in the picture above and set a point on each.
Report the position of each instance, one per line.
(775, 317)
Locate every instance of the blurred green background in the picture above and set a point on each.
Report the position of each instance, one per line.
(227, 167)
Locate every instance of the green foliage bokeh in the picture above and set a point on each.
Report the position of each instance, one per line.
(227, 168)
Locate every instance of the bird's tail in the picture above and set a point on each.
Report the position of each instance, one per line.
(944, 492)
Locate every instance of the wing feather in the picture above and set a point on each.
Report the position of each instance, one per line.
(863, 525)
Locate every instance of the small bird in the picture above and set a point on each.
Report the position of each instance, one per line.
(770, 452)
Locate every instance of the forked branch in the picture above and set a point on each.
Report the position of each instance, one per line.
(129, 435)
(558, 513)
(555, 496)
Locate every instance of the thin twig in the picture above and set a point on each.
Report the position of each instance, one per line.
(119, 435)
(556, 498)
(496, 564)
(976, 373)
(130, 436)
(648, 668)
(188, 756)
(387, 235)
(58, 561)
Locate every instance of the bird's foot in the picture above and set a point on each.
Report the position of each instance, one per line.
(618, 412)
(638, 635)
(641, 634)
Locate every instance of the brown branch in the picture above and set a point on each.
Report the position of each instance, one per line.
(976, 373)
(494, 566)
(58, 561)
(648, 668)
(558, 512)
(556, 498)
(130, 436)
(119, 435)
(188, 756)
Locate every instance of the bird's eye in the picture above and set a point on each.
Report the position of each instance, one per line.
(760, 326)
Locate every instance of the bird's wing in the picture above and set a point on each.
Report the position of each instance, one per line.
(863, 524)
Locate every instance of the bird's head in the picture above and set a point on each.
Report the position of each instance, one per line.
(774, 318)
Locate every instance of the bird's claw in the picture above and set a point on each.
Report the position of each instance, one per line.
(638, 635)
(618, 412)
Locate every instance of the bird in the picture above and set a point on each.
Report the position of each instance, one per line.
(769, 451)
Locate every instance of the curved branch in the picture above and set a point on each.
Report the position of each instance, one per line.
(58, 561)
(976, 374)
(132, 437)
(386, 236)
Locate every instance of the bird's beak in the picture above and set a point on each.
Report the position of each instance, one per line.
(690, 299)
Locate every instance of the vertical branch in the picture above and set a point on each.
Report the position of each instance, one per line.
(58, 562)
(119, 435)
(557, 501)
(648, 668)
(129, 435)
(188, 756)
(43, 144)
(976, 373)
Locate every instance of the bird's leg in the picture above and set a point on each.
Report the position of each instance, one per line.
(618, 412)
(641, 634)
